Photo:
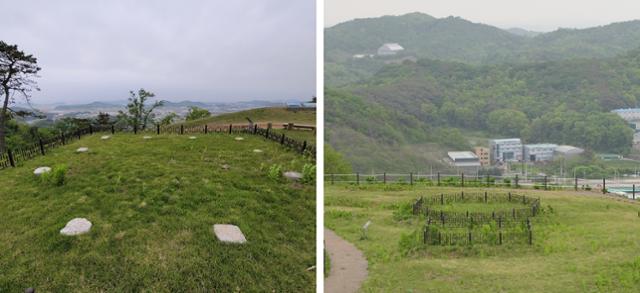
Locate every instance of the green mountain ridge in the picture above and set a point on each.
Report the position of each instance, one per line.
(407, 115)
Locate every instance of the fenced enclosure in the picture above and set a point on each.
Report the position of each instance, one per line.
(11, 158)
(465, 226)
(476, 180)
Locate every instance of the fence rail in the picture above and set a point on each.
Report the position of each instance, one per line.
(474, 180)
(11, 158)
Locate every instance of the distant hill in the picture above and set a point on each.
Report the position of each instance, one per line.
(407, 115)
(523, 32)
(457, 39)
(262, 115)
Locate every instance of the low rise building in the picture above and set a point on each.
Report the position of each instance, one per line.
(539, 152)
(390, 49)
(505, 150)
(464, 159)
(567, 151)
(483, 155)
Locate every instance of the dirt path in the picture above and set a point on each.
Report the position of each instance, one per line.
(348, 265)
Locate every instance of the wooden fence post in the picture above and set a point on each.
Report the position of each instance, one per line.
(469, 237)
(516, 180)
(230, 127)
(282, 139)
(438, 178)
(411, 178)
(357, 178)
(332, 179)
(78, 133)
(304, 146)
(500, 237)
(485, 197)
(41, 146)
(113, 129)
(62, 136)
(634, 191)
(135, 129)
(575, 184)
(462, 177)
(90, 129)
(384, 177)
(545, 182)
(267, 133)
(158, 129)
(206, 128)
(604, 186)
(12, 162)
(530, 237)
(181, 129)
(255, 128)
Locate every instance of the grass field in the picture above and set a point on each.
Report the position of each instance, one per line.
(274, 115)
(589, 243)
(153, 204)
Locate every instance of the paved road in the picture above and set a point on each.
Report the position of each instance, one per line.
(348, 265)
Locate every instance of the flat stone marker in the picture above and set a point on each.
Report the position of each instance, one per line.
(146, 137)
(76, 226)
(225, 166)
(291, 175)
(105, 137)
(257, 151)
(192, 137)
(41, 170)
(239, 138)
(229, 234)
(82, 150)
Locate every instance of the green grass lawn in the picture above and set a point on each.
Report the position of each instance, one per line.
(275, 115)
(153, 204)
(589, 243)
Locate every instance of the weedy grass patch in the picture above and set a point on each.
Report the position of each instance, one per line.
(153, 204)
(583, 242)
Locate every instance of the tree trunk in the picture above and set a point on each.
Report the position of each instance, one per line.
(3, 120)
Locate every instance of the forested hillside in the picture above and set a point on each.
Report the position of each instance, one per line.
(457, 39)
(407, 111)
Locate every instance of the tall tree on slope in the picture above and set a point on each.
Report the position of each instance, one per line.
(17, 73)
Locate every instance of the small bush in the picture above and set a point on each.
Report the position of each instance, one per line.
(56, 176)
(309, 174)
(275, 172)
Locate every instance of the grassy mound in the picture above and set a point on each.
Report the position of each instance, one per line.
(274, 115)
(153, 204)
(583, 243)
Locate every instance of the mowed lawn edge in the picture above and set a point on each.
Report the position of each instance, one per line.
(588, 243)
(153, 204)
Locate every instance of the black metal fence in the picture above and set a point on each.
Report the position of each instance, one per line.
(11, 157)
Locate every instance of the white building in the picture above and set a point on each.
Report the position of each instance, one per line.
(539, 152)
(631, 115)
(567, 151)
(464, 159)
(390, 49)
(505, 150)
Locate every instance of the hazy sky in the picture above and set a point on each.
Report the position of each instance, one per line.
(198, 50)
(540, 15)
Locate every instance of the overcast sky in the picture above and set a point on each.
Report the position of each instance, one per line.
(539, 15)
(198, 50)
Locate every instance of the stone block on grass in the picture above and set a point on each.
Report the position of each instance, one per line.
(229, 234)
(41, 170)
(82, 150)
(239, 138)
(291, 175)
(76, 226)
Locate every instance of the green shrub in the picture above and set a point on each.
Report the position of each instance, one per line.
(56, 176)
(275, 172)
(309, 174)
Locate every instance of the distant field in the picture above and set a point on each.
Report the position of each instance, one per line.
(273, 115)
(589, 243)
(152, 204)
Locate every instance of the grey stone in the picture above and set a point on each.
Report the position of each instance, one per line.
(192, 137)
(146, 137)
(105, 137)
(229, 234)
(257, 151)
(239, 138)
(82, 150)
(225, 166)
(41, 170)
(291, 175)
(76, 226)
